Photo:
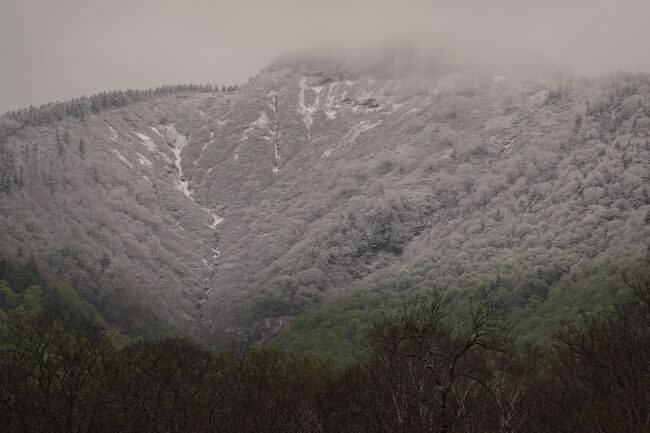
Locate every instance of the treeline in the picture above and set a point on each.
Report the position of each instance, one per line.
(425, 372)
(80, 107)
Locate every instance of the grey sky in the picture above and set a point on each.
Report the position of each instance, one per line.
(58, 49)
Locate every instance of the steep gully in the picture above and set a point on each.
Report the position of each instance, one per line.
(182, 184)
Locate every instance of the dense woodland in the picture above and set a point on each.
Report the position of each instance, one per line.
(540, 193)
(81, 107)
(549, 221)
(439, 364)
(26, 289)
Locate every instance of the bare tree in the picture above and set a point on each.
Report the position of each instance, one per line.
(436, 373)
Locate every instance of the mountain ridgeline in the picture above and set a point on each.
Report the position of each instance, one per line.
(301, 205)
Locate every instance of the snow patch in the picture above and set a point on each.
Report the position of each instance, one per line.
(180, 141)
(271, 94)
(261, 122)
(205, 146)
(327, 153)
(156, 131)
(143, 160)
(148, 142)
(366, 125)
(330, 103)
(362, 127)
(307, 111)
(122, 158)
(201, 113)
(275, 135)
(113, 133)
(277, 159)
(216, 219)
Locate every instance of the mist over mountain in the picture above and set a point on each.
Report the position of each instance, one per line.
(76, 47)
(231, 213)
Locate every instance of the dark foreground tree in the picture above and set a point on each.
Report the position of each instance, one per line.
(52, 376)
(431, 374)
(426, 371)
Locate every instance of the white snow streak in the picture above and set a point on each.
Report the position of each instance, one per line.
(261, 122)
(148, 142)
(180, 141)
(113, 133)
(363, 126)
(274, 132)
(156, 131)
(216, 219)
(143, 160)
(122, 158)
(205, 146)
(307, 111)
(330, 103)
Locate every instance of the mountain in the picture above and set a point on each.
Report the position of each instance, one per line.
(241, 213)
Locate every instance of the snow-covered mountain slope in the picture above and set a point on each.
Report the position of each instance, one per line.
(230, 213)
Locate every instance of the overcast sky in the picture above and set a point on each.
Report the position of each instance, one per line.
(58, 49)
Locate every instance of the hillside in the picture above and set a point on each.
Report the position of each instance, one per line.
(231, 213)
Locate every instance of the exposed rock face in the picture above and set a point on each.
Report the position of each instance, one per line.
(228, 213)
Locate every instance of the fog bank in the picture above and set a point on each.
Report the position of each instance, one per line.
(58, 50)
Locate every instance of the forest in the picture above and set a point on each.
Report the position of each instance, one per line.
(79, 108)
(440, 363)
(539, 189)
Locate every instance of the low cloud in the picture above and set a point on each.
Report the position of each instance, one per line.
(74, 47)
